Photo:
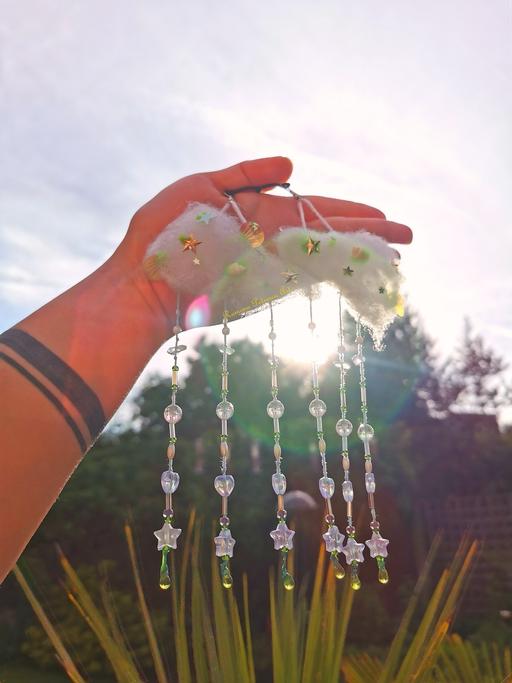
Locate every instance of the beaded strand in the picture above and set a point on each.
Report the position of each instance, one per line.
(281, 535)
(167, 536)
(224, 483)
(377, 544)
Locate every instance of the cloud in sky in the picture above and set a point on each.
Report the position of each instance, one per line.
(405, 106)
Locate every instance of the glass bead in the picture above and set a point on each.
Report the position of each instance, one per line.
(312, 326)
(173, 414)
(224, 520)
(359, 339)
(358, 359)
(275, 408)
(383, 572)
(326, 486)
(329, 519)
(225, 410)
(272, 335)
(224, 485)
(174, 350)
(374, 525)
(348, 491)
(355, 581)
(281, 514)
(339, 572)
(170, 481)
(369, 481)
(365, 432)
(279, 483)
(224, 543)
(350, 530)
(288, 581)
(344, 427)
(168, 512)
(317, 407)
(177, 329)
(226, 330)
(228, 349)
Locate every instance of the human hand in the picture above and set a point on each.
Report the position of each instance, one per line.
(269, 211)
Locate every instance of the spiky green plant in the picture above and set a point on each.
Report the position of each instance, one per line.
(212, 639)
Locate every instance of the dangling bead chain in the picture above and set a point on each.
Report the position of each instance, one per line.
(377, 544)
(282, 535)
(344, 429)
(333, 539)
(167, 536)
(224, 483)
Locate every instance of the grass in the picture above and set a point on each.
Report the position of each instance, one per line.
(211, 632)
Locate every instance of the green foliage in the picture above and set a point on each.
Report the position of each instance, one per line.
(213, 636)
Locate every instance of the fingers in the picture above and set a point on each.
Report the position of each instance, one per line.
(340, 207)
(388, 230)
(255, 172)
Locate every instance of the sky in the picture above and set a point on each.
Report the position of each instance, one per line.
(402, 105)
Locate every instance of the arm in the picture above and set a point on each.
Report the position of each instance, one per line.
(65, 369)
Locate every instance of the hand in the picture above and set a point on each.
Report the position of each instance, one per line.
(270, 211)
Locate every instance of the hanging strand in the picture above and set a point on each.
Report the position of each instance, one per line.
(224, 483)
(317, 408)
(167, 536)
(377, 544)
(282, 535)
(344, 429)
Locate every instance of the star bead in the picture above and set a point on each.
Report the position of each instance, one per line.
(196, 261)
(333, 540)
(348, 271)
(190, 243)
(312, 246)
(167, 536)
(353, 551)
(204, 217)
(289, 276)
(378, 546)
(224, 543)
(282, 537)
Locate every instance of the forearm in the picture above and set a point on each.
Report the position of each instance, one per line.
(64, 370)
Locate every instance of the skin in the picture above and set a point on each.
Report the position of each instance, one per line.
(109, 325)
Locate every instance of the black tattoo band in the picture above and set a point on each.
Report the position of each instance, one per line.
(48, 394)
(64, 378)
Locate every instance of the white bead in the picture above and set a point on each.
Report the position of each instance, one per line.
(279, 483)
(275, 408)
(228, 349)
(224, 485)
(173, 414)
(369, 480)
(326, 486)
(344, 427)
(317, 407)
(357, 359)
(365, 432)
(348, 491)
(170, 481)
(225, 410)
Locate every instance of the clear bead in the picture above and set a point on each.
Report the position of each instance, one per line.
(176, 349)
(173, 414)
(226, 330)
(365, 432)
(326, 486)
(228, 349)
(275, 408)
(344, 427)
(279, 483)
(225, 410)
(170, 481)
(369, 480)
(357, 359)
(272, 335)
(348, 491)
(224, 485)
(317, 407)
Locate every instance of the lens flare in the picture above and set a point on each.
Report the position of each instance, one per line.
(198, 313)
